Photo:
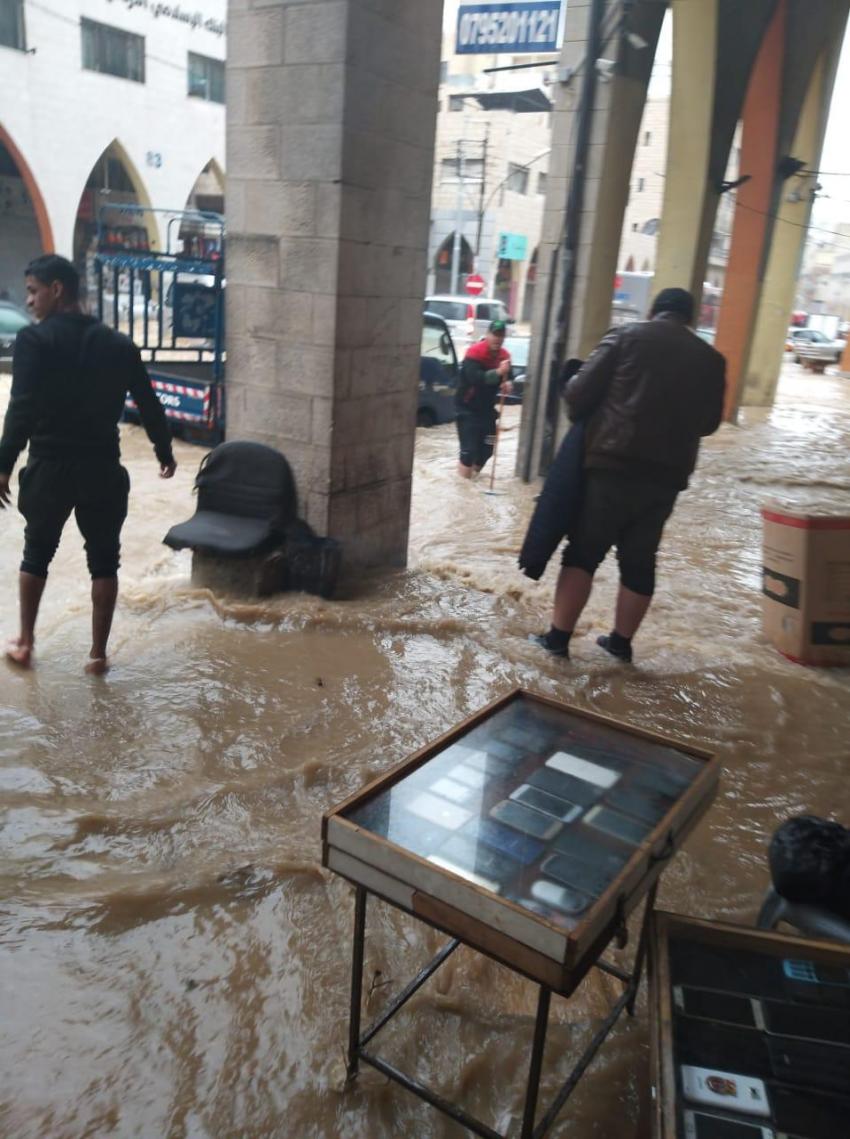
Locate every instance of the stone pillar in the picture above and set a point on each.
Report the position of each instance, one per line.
(688, 195)
(330, 139)
(617, 111)
(780, 280)
(754, 200)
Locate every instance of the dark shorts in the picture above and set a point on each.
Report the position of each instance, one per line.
(97, 493)
(475, 433)
(619, 510)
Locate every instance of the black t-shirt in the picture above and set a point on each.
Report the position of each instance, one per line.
(70, 375)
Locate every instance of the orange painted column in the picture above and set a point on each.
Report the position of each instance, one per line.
(844, 366)
(750, 231)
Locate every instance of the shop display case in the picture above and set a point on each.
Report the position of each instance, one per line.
(750, 1033)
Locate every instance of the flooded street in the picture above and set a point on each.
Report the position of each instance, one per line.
(173, 960)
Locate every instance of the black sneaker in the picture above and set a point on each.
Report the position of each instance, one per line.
(623, 654)
(542, 642)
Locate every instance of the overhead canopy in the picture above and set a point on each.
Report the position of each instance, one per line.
(521, 102)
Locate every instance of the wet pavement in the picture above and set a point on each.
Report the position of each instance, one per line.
(174, 961)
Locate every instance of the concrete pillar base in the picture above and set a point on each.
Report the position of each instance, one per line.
(247, 577)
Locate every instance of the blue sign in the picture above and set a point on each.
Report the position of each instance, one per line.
(521, 27)
(513, 246)
(195, 308)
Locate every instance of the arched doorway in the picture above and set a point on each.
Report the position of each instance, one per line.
(113, 181)
(207, 194)
(504, 285)
(25, 230)
(443, 264)
(530, 283)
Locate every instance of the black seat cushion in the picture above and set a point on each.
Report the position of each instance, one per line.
(246, 499)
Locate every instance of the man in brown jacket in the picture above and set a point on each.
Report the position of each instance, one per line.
(647, 393)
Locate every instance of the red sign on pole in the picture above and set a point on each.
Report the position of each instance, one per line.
(474, 284)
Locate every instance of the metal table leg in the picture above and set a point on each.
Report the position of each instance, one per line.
(640, 953)
(356, 981)
(536, 1065)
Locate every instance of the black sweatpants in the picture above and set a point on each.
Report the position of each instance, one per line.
(97, 493)
(475, 432)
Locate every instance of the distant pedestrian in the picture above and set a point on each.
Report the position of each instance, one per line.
(485, 372)
(647, 394)
(70, 375)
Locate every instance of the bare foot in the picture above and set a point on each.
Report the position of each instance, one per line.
(19, 653)
(97, 666)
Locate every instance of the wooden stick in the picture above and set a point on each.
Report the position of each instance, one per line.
(496, 437)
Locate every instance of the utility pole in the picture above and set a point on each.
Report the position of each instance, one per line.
(481, 195)
(456, 248)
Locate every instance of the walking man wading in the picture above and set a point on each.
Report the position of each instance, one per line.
(648, 393)
(70, 374)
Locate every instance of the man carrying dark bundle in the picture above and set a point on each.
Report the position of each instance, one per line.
(486, 371)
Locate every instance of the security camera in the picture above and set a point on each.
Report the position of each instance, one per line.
(605, 69)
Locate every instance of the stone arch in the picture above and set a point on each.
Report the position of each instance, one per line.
(443, 264)
(207, 192)
(25, 227)
(113, 180)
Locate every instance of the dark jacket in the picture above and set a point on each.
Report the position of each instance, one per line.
(480, 381)
(650, 390)
(70, 375)
(557, 508)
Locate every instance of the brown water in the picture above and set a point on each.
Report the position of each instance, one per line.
(174, 961)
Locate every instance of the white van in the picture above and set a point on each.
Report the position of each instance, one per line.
(467, 316)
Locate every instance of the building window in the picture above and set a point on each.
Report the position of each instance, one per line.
(647, 138)
(444, 70)
(541, 182)
(640, 185)
(517, 179)
(473, 170)
(206, 78)
(12, 24)
(113, 52)
(634, 227)
(456, 102)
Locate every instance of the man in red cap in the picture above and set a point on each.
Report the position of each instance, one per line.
(486, 371)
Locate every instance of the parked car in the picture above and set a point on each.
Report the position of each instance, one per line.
(812, 338)
(467, 316)
(518, 347)
(438, 373)
(12, 320)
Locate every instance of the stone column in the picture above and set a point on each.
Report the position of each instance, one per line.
(330, 137)
(617, 110)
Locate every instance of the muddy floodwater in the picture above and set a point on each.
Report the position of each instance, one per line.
(174, 961)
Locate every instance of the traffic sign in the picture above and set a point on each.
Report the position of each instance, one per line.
(474, 284)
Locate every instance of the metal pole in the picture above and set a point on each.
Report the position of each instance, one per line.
(575, 203)
(356, 981)
(458, 219)
(481, 196)
(536, 1065)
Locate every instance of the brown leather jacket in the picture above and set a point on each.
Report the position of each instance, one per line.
(649, 391)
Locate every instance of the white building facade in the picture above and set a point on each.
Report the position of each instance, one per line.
(104, 101)
(490, 166)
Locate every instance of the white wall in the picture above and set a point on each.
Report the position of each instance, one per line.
(62, 118)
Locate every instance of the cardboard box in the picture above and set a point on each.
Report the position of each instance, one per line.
(806, 585)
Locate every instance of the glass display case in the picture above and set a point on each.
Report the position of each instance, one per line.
(530, 830)
(751, 1033)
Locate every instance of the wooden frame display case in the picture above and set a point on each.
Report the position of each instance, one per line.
(528, 832)
(750, 1033)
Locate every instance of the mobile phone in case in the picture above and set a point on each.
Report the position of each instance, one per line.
(583, 769)
(728, 1091)
(433, 809)
(700, 1125)
(640, 802)
(549, 804)
(526, 820)
(483, 860)
(578, 875)
(504, 840)
(456, 792)
(718, 1007)
(622, 827)
(565, 786)
(564, 898)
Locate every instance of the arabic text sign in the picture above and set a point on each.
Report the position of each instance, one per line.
(520, 27)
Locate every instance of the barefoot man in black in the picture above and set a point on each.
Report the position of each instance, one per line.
(70, 374)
